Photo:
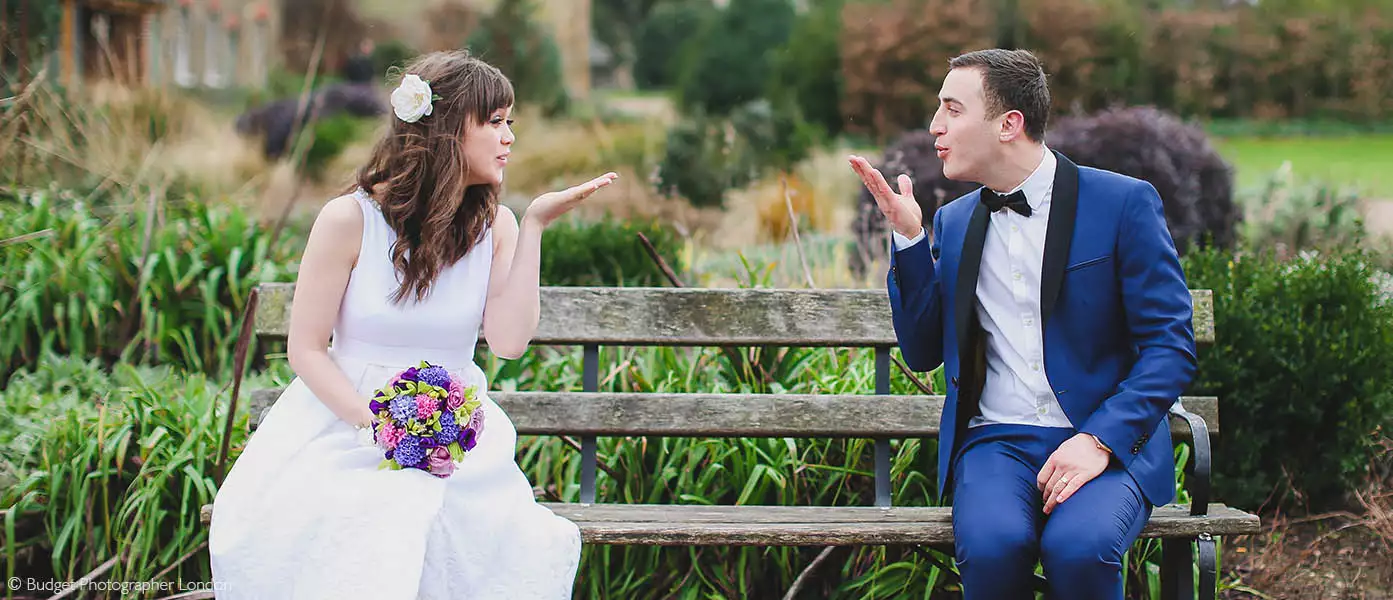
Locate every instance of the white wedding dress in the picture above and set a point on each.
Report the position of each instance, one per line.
(305, 512)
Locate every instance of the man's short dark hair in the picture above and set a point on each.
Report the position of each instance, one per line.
(1012, 80)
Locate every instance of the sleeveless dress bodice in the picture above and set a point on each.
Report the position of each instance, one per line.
(443, 328)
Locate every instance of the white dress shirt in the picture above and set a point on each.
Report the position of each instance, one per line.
(1008, 306)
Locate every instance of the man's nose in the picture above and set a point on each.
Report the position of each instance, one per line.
(937, 127)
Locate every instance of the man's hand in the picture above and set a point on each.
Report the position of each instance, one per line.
(901, 209)
(1076, 462)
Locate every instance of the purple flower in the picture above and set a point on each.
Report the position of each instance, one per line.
(408, 452)
(403, 408)
(449, 430)
(376, 406)
(467, 439)
(409, 375)
(436, 376)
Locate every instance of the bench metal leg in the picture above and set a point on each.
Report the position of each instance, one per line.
(882, 445)
(1209, 567)
(590, 382)
(1177, 570)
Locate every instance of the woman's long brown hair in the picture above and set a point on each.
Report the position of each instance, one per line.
(417, 171)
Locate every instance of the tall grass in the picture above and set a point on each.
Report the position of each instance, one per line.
(150, 280)
(105, 465)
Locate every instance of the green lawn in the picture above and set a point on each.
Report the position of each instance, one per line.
(1365, 160)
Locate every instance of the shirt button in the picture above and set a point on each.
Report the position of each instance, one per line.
(1015, 228)
(1034, 366)
(1043, 411)
(1016, 276)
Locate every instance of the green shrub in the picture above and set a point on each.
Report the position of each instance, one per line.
(331, 136)
(705, 155)
(662, 38)
(1301, 366)
(391, 53)
(727, 63)
(697, 162)
(807, 72)
(511, 39)
(607, 252)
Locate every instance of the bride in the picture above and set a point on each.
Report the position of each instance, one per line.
(407, 266)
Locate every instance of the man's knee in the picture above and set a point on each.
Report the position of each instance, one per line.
(1081, 547)
(996, 541)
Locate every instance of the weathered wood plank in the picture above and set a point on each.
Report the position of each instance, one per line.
(1202, 318)
(684, 525)
(259, 402)
(703, 316)
(740, 415)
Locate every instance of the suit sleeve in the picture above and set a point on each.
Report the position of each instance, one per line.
(1156, 301)
(916, 301)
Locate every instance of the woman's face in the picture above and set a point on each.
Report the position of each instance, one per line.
(487, 146)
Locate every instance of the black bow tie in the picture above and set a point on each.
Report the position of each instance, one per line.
(1015, 201)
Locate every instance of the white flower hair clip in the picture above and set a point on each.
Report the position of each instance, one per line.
(412, 99)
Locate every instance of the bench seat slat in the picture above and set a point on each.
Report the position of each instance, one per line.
(739, 415)
(682, 525)
(645, 316)
(685, 525)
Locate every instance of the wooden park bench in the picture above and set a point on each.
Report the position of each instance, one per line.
(594, 317)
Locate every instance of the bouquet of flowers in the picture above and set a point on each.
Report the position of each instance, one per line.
(427, 419)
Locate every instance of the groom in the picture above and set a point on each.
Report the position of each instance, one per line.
(1054, 298)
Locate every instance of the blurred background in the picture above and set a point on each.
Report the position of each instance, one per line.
(159, 158)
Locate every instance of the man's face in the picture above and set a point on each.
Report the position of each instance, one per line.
(968, 142)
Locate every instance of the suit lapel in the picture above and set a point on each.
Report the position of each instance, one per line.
(1064, 207)
(970, 262)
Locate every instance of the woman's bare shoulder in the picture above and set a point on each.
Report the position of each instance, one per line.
(505, 225)
(340, 213)
(340, 226)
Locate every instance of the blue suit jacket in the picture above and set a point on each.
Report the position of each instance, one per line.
(1115, 310)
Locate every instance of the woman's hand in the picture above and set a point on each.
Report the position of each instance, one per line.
(547, 207)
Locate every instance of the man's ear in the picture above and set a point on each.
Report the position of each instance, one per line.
(1012, 126)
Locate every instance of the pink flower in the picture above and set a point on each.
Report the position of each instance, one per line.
(425, 406)
(456, 397)
(441, 464)
(476, 421)
(389, 435)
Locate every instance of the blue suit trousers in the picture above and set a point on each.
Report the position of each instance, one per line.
(1001, 530)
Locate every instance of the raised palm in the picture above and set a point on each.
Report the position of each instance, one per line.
(900, 208)
(547, 207)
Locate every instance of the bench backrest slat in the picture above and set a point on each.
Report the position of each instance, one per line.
(703, 316)
(739, 415)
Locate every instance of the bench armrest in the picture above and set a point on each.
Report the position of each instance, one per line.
(1197, 478)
